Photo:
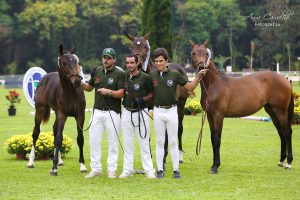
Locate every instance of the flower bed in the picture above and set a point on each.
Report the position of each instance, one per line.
(297, 108)
(193, 106)
(44, 145)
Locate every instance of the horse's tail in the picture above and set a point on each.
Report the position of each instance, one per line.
(291, 110)
(46, 114)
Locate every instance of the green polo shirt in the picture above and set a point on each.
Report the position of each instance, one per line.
(136, 86)
(165, 86)
(111, 79)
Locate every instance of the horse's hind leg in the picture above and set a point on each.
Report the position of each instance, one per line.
(280, 120)
(80, 142)
(276, 123)
(216, 125)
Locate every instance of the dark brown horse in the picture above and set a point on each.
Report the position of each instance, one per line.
(60, 91)
(140, 46)
(224, 96)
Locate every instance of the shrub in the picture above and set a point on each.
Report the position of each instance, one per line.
(44, 144)
(193, 106)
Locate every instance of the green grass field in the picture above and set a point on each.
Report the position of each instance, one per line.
(249, 155)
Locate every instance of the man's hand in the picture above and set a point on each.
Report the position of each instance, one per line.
(201, 74)
(137, 101)
(104, 91)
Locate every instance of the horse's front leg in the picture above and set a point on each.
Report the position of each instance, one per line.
(60, 161)
(35, 135)
(60, 122)
(216, 125)
(80, 141)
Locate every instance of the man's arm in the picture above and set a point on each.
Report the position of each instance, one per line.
(112, 93)
(86, 87)
(148, 97)
(192, 85)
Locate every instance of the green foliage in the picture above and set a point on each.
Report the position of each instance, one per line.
(206, 20)
(11, 68)
(47, 17)
(31, 30)
(156, 19)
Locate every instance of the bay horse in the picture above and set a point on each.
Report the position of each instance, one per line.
(225, 96)
(141, 47)
(60, 91)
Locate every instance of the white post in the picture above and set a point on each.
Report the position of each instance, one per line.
(277, 67)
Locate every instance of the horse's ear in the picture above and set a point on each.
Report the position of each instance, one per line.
(205, 43)
(192, 43)
(146, 36)
(61, 49)
(130, 37)
(72, 51)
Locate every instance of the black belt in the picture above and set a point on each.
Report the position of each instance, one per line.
(133, 109)
(166, 107)
(104, 109)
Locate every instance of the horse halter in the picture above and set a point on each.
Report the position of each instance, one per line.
(146, 61)
(207, 61)
(64, 71)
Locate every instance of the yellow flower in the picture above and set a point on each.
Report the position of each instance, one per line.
(44, 144)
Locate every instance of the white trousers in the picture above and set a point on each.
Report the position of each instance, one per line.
(166, 119)
(128, 131)
(102, 120)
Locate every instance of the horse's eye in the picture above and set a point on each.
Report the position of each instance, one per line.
(193, 53)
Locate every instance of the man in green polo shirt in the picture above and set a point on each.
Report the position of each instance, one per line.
(165, 115)
(108, 81)
(135, 119)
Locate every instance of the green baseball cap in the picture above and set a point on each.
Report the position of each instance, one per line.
(109, 52)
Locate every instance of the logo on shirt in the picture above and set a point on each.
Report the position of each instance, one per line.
(169, 83)
(155, 83)
(136, 87)
(97, 79)
(110, 81)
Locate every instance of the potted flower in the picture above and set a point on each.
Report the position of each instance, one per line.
(194, 107)
(44, 145)
(19, 145)
(13, 97)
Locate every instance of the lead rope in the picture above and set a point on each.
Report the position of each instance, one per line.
(81, 128)
(199, 140)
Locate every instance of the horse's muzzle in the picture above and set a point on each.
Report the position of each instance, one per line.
(75, 79)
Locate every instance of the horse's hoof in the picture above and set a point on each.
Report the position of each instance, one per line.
(180, 161)
(60, 164)
(53, 172)
(288, 166)
(213, 171)
(280, 164)
(83, 171)
(30, 166)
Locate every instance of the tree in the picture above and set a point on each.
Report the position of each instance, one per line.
(156, 19)
(217, 21)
